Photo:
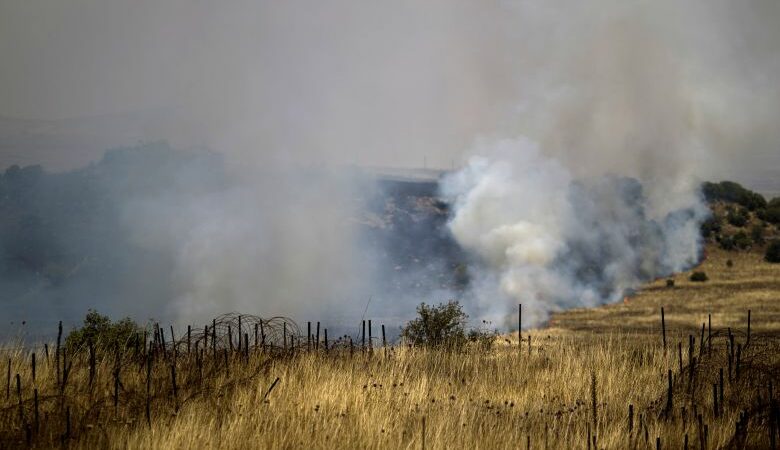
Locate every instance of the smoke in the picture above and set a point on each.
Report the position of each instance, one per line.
(623, 108)
(551, 242)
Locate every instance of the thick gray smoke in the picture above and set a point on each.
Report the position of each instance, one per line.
(666, 93)
(552, 242)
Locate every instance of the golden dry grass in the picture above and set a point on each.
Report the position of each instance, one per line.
(502, 398)
(750, 284)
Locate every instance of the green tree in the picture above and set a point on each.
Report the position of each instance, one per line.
(437, 325)
(444, 326)
(103, 333)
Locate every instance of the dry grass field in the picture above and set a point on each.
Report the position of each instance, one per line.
(572, 385)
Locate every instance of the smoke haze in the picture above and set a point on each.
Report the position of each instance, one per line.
(582, 131)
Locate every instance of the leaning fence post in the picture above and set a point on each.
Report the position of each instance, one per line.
(423, 433)
(715, 400)
(240, 333)
(214, 337)
(679, 354)
(669, 403)
(519, 325)
(701, 342)
(663, 328)
(148, 391)
(36, 416)
(19, 395)
(57, 354)
(709, 334)
(175, 390)
(92, 362)
(370, 344)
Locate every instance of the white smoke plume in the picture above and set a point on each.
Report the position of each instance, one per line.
(552, 242)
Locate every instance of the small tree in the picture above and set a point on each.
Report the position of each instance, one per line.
(103, 333)
(773, 252)
(444, 326)
(436, 326)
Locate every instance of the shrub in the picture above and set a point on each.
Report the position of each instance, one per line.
(773, 252)
(770, 214)
(484, 338)
(103, 333)
(670, 283)
(710, 227)
(742, 240)
(727, 243)
(444, 326)
(437, 325)
(738, 217)
(699, 277)
(729, 263)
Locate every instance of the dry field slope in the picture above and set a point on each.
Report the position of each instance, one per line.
(750, 283)
(571, 386)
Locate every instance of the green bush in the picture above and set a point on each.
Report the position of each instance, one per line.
(103, 333)
(710, 227)
(699, 277)
(739, 241)
(773, 252)
(444, 326)
(771, 214)
(727, 243)
(742, 241)
(738, 217)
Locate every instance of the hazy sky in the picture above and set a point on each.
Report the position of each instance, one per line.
(393, 82)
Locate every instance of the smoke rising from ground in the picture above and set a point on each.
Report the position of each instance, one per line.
(667, 93)
(553, 242)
